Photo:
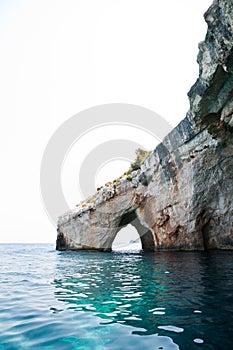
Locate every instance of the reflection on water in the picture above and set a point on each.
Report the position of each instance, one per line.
(183, 295)
(114, 301)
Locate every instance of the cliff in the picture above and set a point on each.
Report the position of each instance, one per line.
(181, 198)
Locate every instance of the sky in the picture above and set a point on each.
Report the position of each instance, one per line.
(59, 58)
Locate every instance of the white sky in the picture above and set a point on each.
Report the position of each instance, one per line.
(60, 57)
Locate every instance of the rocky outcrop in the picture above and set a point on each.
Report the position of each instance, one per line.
(181, 198)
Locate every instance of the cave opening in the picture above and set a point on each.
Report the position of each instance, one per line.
(127, 238)
(132, 233)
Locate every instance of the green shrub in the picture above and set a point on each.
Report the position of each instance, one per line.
(212, 130)
(129, 177)
(223, 144)
(141, 155)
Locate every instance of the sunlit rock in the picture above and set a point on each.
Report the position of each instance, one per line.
(181, 197)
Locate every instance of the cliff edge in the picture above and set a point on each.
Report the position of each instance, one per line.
(181, 197)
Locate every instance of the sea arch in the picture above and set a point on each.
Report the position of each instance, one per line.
(80, 236)
(145, 234)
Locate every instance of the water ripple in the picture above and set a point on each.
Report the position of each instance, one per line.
(52, 300)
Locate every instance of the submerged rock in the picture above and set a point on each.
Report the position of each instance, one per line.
(181, 198)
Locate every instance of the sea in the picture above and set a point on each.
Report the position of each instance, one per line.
(121, 300)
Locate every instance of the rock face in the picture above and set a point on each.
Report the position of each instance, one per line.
(181, 198)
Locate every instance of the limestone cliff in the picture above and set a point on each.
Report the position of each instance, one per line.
(182, 195)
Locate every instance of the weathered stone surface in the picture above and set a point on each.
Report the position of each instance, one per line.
(182, 197)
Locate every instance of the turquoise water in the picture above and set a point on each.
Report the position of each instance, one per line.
(118, 301)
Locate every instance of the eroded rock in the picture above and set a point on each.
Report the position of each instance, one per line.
(181, 198)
